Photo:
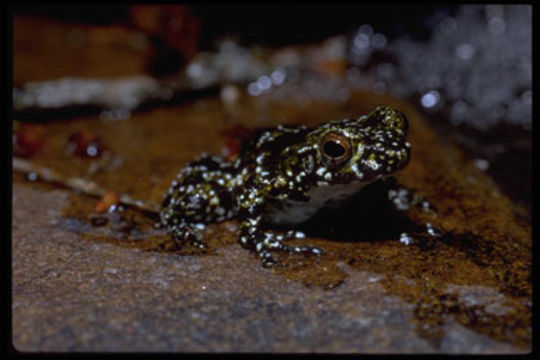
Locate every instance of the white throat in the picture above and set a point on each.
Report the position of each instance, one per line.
(294, 212)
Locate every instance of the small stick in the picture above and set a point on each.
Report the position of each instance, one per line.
(76, 183)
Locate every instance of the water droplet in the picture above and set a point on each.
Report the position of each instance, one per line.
(194, 70)
(278, 76)
(430, 99)
(361, 41)
(264, 83)
(379, 41)
(465, 51)
(481, 164)
(32, 176)
(254, 89)
(92, 150)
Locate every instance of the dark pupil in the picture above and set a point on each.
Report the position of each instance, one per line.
(333, 149)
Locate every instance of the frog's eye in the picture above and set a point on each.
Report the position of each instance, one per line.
(335, 149)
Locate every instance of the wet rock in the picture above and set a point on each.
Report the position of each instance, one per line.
(462, 286)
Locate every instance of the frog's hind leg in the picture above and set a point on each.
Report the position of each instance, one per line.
(188, 233)
(199, 195)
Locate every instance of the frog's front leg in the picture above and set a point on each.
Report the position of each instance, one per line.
(403, 198)
(250, 212)
(251, 235)
(276, 242)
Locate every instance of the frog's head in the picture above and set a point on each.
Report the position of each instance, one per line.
(361, 150)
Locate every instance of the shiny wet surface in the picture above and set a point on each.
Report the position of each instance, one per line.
(88, 281)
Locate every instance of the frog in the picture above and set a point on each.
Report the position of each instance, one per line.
(282, 176)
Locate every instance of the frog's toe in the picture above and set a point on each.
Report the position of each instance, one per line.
(198, 244)
(292, 234)
(271, 238)
(275, 242)
(268, 260)
(315, 250)
(302, 249)
(184, 235)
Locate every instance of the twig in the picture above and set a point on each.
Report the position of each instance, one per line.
(76, 183)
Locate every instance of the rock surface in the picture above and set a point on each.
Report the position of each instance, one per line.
(71, 294)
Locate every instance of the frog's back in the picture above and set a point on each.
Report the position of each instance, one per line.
(270, 142)
(202, 192)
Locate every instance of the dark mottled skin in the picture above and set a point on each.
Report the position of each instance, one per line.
(283, 175)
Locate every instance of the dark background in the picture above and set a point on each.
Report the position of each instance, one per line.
(272, 25)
